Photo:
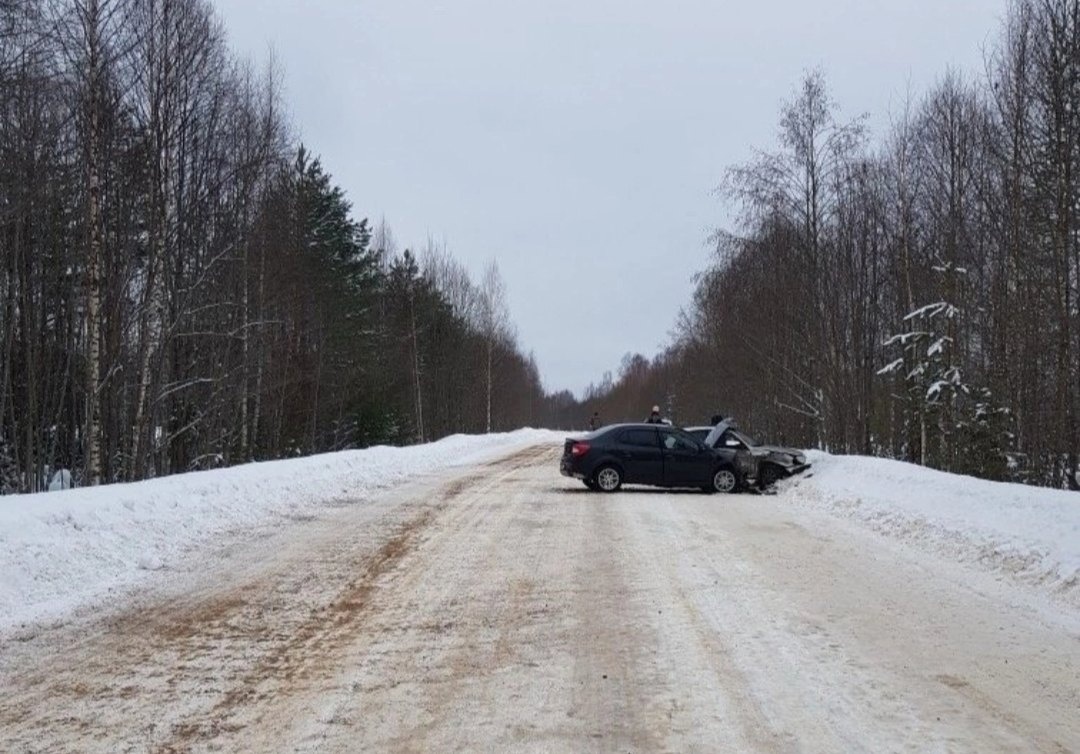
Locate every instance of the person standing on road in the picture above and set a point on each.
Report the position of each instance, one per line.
(594, 421)
(654, 417)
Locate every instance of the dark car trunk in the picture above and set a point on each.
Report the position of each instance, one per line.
(569, 462)
(566, 448)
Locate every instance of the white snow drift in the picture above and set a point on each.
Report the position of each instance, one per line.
(60, 550)
(1028, 534)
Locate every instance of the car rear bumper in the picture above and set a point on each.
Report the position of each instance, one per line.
(566, 468)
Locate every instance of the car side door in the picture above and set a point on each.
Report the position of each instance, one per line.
(638, 450)
(686, 462)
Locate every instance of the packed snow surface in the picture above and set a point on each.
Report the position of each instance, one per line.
(61, 550)
(1030, 534)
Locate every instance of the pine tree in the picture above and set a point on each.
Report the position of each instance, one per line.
(343, 281)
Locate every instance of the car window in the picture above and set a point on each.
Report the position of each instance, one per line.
(675, 442)
(645, 438)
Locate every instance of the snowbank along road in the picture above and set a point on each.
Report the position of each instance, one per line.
(504, 608)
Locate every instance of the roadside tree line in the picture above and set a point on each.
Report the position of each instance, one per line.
(917, 296)
(182, 285)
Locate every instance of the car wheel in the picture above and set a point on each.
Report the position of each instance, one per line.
(608, 479)
(725, 480)
(769, 475)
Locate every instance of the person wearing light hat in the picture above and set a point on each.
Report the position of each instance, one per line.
(654, 417)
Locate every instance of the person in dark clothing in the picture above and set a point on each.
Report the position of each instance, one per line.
(594, 421)
(654, 417)
(717, 418)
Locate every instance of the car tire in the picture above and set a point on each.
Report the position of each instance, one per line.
(608, 478)
(769, 475)
(725, 480)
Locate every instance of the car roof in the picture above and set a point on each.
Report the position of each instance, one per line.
(628, 425)
(636, 425)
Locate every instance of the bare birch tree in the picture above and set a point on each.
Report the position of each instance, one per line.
(494, 321)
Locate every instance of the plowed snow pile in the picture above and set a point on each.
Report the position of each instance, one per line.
(1029, 534)
(60, 550)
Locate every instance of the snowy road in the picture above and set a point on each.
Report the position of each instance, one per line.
(508, 609)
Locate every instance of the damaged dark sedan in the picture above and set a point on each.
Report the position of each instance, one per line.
(770, 463)
(656, 455)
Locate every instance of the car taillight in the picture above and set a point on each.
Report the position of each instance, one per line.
(579, 449)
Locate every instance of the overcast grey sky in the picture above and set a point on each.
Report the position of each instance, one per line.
(578, 142)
